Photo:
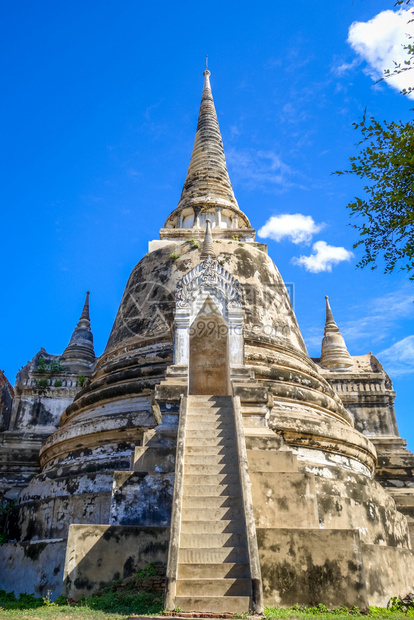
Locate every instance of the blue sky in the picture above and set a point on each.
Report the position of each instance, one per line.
(99, 111)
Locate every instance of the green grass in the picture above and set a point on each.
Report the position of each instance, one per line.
(109, 604)
(322, 613)
(118, 601)
(65, 612)
(60, 613)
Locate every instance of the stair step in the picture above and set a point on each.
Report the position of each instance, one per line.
(214, 571)
(212, 398)
(216, 423)
(211, 469)
(212, 490)
(213, 587)
(212, 501)
(222, 526)
(211, 479)
(201, 413)
(202, 513)
(209, 396)
(214, 433)
(214, 604)
(210, 403)
(218, 555)
(213, 563)
(212, 541)
(220, 450)
(211, 459)
(224, 441)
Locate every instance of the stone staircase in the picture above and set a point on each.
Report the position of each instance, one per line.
(213, 562)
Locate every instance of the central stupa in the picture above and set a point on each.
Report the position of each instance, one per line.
(248, 480)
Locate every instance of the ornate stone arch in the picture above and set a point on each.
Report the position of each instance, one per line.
(208, 279)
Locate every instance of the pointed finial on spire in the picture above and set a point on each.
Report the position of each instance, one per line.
(207, 182)
(208, 246)
(206, 74)
(334, 352)
(80, 354)
(330, 324)
(85, 311)
(207, 85)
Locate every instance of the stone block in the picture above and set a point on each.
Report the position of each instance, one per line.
(266, 441)
(270, 461)
(140, 498)
(156, 244)
(33, 567)
(299, 567)
(277, 496)
(389, 572)
(99, 554)
(49, 518)
(157, 459)
(352, 501)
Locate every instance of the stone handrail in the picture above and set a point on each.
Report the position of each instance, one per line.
(255, 572)
(172, 563)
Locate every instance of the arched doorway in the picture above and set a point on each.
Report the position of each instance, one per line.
(209, 358)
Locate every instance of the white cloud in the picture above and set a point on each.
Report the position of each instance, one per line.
(380, 42)
(296, 227)
(346, 66)
(399, 358)
(376, 318)
(324, 256)
(372, 322)
(259, 169)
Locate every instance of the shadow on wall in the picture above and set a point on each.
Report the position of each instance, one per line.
(95, 556)
(99, 554)
(33, 567)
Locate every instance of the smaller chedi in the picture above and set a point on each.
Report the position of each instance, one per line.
(204, 438)
(334, 353)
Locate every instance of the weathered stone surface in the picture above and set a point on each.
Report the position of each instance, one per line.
(389, 572)
(367, 393)
(154, 458)
(141, 498)
(50, 517)
(6, 401)
(207, 178)
(207, 536)
(271, 461)
(80, 354)
(100, 449)
(99, 554)
(33, 567)
(350, 500)
(302, 566)
(334, 353)
(43, 390)
(276, 497)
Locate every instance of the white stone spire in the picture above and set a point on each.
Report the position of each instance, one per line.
(207, 182)
(334, 352)
(208, 246)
